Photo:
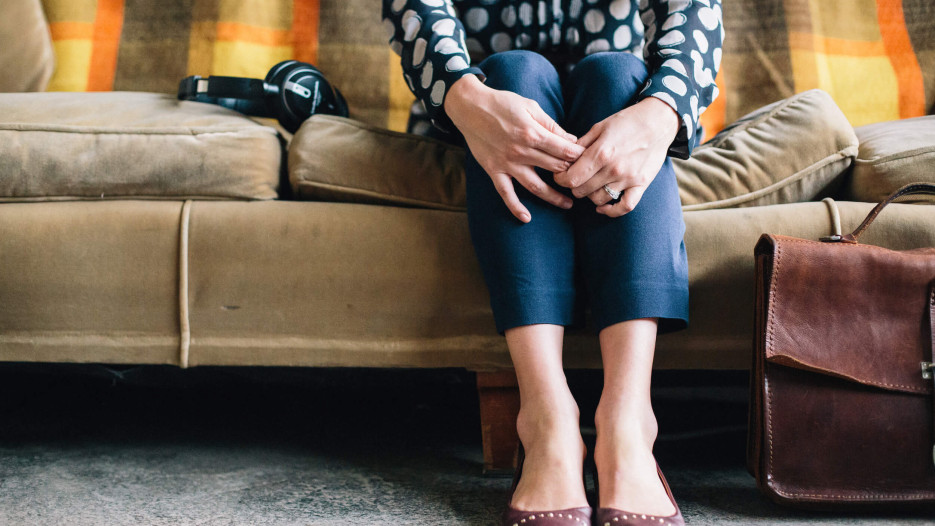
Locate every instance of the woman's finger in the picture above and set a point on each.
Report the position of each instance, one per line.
(601, 197)
(628, 201)
(544, 120)
(553, 140)
(588, 138)
(539, 188)
(504, 185)
(587, 165)
(533, 157)
(603, 174)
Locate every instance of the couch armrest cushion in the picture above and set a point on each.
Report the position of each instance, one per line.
(26, 57)
(337, 159)
(790, 151)
(892, 154)
(60, 146)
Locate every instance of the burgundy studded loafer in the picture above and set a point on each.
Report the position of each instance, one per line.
(612, 517)
(515, 517)
(569, 517)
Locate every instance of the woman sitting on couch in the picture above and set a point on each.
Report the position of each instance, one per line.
(573, 101)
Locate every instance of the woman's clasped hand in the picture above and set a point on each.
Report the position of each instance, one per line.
(510, 136)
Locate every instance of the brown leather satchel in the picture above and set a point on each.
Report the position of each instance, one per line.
(841, 388)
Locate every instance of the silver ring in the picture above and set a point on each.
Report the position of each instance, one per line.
(614, 195)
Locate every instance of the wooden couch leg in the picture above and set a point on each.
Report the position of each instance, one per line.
(499, 404)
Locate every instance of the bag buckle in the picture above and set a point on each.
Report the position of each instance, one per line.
(928, 368)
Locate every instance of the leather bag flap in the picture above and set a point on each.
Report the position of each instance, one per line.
(857, 312)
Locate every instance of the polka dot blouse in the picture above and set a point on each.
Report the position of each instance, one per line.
(680, 41)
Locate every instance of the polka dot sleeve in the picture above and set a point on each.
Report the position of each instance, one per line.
(429, 38)
(683, 54)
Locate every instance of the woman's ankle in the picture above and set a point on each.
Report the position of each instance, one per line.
(553, 422)
(633, 423)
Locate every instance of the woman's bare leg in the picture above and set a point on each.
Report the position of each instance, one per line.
(548, 422)
(625, 422)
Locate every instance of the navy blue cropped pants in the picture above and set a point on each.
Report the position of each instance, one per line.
(550, 269)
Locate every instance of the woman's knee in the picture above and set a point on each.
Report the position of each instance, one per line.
(620, 70)
(512, 70)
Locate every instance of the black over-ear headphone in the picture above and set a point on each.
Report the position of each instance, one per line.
(292, 92)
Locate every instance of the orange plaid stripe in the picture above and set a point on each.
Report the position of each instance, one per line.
(263, 36)
(899, 49)
(305, 21)
(107, 27)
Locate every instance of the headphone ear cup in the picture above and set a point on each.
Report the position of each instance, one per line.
(341, 104)
(302, 91)
(278, 72)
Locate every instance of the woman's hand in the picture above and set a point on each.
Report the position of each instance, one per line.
(510, 135)
(625, 152)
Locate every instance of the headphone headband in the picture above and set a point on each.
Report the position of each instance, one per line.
(292, 92)
(247, 96)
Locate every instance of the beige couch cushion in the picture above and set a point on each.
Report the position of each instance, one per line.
(337, 159)
(90, 281)
(791, 151)
(26, 58)
(893, 154)
(788, 152)
(56, 146)
(292, 284)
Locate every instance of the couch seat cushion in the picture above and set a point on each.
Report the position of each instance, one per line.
(791, 151)
(337, 159)
(57, 146)
(893, 154)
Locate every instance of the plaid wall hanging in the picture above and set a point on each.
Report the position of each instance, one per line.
(145, 45)
(875, 57)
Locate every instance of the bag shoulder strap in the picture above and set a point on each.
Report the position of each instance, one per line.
(909, 189)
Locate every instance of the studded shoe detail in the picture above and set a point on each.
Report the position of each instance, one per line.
(567, 517)
(613, 517)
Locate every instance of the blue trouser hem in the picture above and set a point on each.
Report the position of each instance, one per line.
(667, 303)
(534, 307)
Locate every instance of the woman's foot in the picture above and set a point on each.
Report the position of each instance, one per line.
(552, 471)
(626, 468)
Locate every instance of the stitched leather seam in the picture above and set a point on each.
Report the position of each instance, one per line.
(816, 369)
(853, 245)
(777, 260)
(916, 496)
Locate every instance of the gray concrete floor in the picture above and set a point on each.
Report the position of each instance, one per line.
(89, 445)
